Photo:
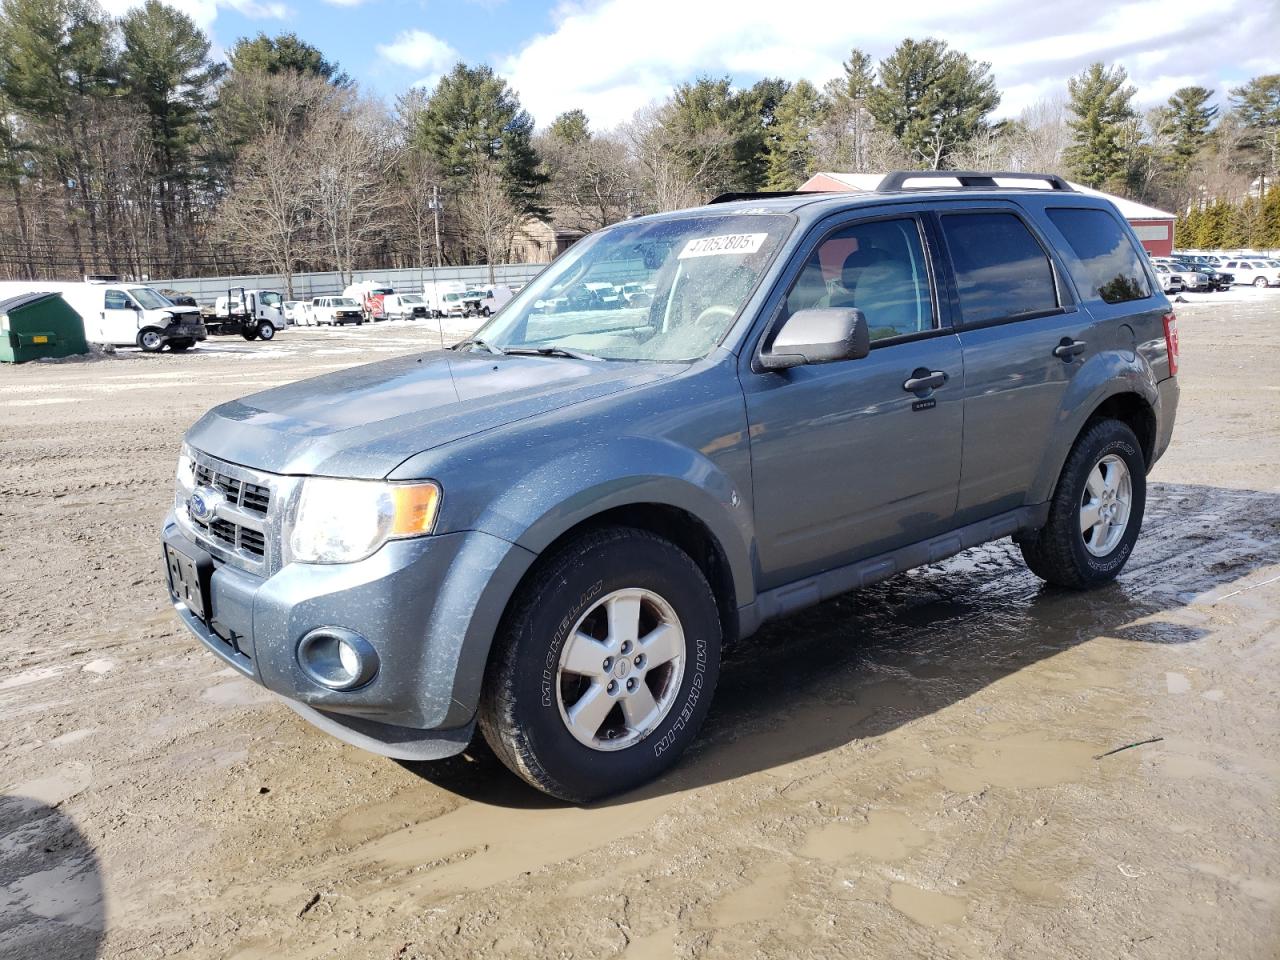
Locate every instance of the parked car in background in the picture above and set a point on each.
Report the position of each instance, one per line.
(548, 533)
(1253, 271)
(1193, 278)
(1218, 279)
(405, 306)
(294, 311)
(178, 299)
(122, 314)
(369, 294)
(254, 314)
(336, 311)
(437, 296)
(1170, 282)
(483, 301)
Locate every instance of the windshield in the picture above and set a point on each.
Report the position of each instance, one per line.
(270, 299)
(686, 281)
(149, 299)
(410, 298)
(344, 302)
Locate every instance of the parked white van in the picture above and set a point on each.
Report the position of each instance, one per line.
(439, 295)
(122, 314)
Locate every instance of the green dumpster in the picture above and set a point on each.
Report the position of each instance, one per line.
(36, 325)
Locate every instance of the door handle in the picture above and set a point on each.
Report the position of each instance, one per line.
(1069, 349)
(922, 380)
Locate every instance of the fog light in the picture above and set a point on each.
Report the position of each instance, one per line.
(336, 658)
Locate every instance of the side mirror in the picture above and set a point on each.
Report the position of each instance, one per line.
(819, 335)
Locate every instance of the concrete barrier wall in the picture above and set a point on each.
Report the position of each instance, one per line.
(307, 285)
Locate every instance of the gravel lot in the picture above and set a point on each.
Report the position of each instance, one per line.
(911, 770)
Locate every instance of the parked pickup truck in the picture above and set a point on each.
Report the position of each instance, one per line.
(552, 530)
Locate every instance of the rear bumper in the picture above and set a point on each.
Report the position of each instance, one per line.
(429, 608)
(1165, 416)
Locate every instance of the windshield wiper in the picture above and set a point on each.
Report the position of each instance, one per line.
(550, 352)
(475, 342)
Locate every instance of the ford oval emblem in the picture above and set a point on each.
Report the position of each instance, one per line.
(203, 503)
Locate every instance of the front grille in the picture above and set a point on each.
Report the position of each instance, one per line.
(251, 496)
(245, 526)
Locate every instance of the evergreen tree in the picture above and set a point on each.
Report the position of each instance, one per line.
(570, 127)
(165, 66)
(284, 52)
(790, 151)
(932, 99)
(1257, 103)
(472, 123)
(1269, 219)
(1190, 117)
(1099, 154)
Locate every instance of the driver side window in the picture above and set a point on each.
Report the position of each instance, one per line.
(118, 300)
(878, 267)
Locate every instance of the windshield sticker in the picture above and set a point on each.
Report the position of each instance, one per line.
(726, 243)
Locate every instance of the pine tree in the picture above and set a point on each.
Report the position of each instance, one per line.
(1100, 99)
(1269, 219)
(473, 123)
(165, 66)
(1258, 104)
(932, 99)
(284, 52)
(570, 127)
(790, 150)
(1191, 117)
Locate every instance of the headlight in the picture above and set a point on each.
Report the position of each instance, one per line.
(341, 521)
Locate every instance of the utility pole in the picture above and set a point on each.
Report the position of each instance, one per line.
(435, 280)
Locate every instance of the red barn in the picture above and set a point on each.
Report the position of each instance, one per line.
(1153, 227)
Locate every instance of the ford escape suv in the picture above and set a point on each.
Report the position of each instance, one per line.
(552, 529)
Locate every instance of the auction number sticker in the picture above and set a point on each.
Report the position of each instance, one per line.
(725, 243)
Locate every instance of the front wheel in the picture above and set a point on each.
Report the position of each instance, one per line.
(266, 330)
(1260, 282)
(1096, 511)
(605, 666)
(151, 340)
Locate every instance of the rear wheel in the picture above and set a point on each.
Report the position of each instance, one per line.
(150, 340)
(1096, 511)
(1260, 282)
(249, 333)
(605, 666)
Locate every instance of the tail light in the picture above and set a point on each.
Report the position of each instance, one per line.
(1171, 341)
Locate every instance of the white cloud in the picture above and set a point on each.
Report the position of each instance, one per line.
(611, 57)
(205, 12)
(419, 50)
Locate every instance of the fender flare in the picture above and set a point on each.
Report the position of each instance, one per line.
(1103, 376)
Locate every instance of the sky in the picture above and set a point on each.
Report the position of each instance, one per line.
(611, 57)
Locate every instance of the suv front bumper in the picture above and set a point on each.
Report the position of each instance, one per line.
(429, 607)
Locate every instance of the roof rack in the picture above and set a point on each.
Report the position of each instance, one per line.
(762, 195)
(969, 179)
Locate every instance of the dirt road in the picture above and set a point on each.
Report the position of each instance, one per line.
(908, 771)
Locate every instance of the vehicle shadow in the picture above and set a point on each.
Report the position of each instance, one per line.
(868, 662)
(51, 897)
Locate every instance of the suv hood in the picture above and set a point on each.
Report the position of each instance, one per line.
(366, 421)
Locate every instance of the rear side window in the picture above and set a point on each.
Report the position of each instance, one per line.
(1001, 270)
(1112, 267)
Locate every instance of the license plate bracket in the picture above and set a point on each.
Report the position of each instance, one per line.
(189, 580)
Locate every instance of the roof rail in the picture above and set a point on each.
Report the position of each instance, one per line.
(761, 195)
(969, 179)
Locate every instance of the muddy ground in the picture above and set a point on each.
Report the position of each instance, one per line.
(911, 770)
